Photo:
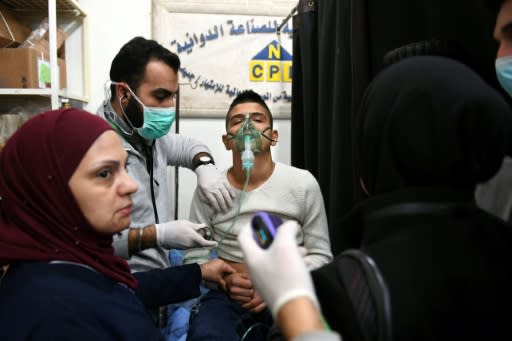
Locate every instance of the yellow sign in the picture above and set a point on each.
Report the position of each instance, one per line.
(272, 64)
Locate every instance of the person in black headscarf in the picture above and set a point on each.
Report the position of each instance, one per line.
(429, 130)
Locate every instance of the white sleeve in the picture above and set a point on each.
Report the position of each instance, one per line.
(314, 226)
(319, 336)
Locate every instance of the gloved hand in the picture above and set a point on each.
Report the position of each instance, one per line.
(181, 234)
(278, 273)
(214, 189)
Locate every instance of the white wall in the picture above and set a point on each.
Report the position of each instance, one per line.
(111, 24)
(252, 7)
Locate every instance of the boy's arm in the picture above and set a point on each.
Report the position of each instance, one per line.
(314, 226)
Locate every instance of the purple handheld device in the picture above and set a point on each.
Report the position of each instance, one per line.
(264, 227)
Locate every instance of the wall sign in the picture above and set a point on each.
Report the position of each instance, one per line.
(222, 55)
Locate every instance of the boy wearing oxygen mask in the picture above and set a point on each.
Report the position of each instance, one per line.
(261, 185)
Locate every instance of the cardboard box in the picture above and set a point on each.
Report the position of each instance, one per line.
(12, 30)
(26, 68)
(43, 44)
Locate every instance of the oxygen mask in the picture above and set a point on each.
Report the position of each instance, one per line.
(248, 141)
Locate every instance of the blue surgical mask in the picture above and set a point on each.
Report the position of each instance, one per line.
(504, 72)
(157, 121)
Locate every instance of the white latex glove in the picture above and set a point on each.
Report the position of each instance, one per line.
(304, 252)
(214, 189)
(278, 273)
(181, 234)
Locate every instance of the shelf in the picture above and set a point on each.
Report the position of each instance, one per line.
(74, 97)
(63, 7)
(72, 18)
(40, 92)
(15, 91)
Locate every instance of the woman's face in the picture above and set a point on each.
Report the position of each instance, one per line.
(102, 187)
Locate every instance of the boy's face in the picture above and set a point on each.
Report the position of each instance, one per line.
(259, 117)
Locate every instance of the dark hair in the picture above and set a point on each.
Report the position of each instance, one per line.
(130, 62)
(494, 5)
(249, 96)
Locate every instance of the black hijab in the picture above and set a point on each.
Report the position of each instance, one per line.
(430, 122)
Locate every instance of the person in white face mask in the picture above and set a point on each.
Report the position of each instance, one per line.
(141, 107)
(495, 196)
(503, 35)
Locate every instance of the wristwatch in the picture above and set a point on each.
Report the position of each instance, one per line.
(203, 160)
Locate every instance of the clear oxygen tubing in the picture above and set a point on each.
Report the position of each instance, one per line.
(247, 165)
(257, 324)
(214, 251)
(247, 154)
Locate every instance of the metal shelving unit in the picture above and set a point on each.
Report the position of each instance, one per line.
(69, 12)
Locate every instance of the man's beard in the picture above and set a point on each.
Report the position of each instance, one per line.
(134, 113)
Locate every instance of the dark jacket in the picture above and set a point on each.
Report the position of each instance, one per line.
(42, 301)
(447, 263)
(429, 130)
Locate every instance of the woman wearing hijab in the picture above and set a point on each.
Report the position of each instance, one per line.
(429, 130)
(65, 193)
